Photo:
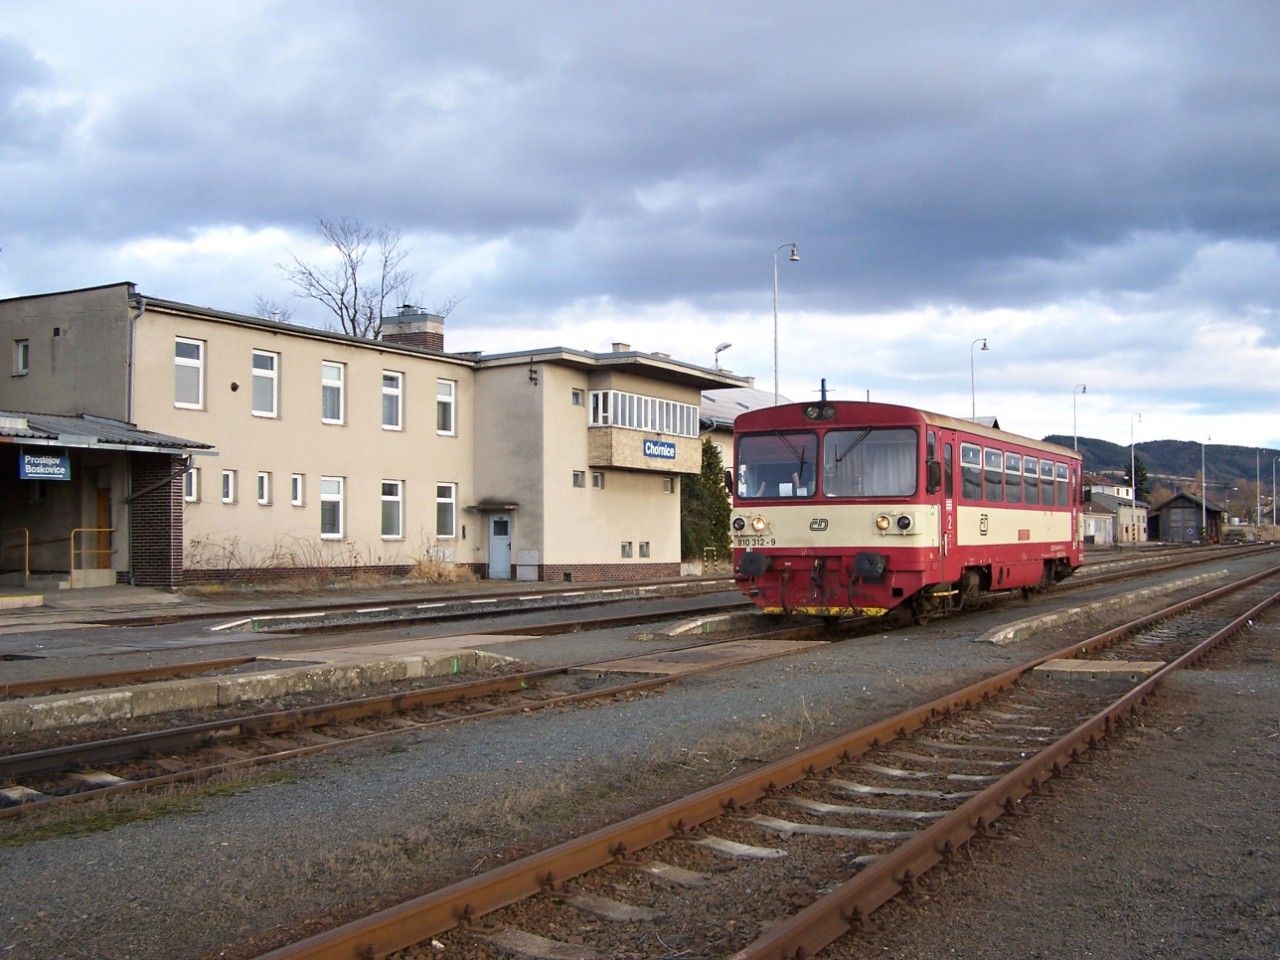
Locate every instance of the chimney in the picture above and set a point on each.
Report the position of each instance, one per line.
(619, 347)
(414, 327)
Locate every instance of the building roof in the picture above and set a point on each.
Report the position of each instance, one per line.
(1191, 499)
(1111, 502)
(721, 407)
(83, 431)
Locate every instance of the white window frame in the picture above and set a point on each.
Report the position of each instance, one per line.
(191, 485)
(337, 496)
(272, 376)
(597, 479)
(331, 383)
(397, 498)
(197, 363)
(626, 549)
(633, 411)
(228, 486)
(21, 358)
(447, 496)
(644, 549)
(668, 484)
(447, 400)
(297, 489)
(264, 487)
(579, 478)
(579, 397)
(395, 392)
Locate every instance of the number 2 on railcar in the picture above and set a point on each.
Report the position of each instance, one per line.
(844, 508)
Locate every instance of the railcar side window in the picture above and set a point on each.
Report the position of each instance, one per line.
(993, 470)
(1031, 479)
(1013, 478)
(1064, 495)
(971, 471)
(870, 462)
(1046, 482)
(947, 489)
(777, 465)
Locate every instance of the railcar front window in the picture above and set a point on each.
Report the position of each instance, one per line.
(870, 462)
(776, 465)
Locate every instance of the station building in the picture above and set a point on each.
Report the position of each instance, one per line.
(249, 447)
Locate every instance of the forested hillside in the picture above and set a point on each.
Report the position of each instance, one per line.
(1225, 464)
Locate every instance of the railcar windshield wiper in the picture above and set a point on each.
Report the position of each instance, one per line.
(854, 443)
(798, 454)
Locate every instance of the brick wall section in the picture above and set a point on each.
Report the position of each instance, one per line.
(591, 572)
(155, 522)
(424, 339)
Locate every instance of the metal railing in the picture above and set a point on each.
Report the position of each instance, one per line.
(26, 550)
(97, 552)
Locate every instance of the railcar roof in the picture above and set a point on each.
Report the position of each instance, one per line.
(963, 424)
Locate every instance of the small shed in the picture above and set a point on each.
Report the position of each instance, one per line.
(1185, 518)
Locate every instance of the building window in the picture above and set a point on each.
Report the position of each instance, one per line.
(668, 484)
(579, 478)
(579, 397)
(228, 486)
(597, 479)
(626, 549)
(644, 549)
(21, 358)
(392, 400)
(446, 509)
(265, 394)
(392, 509)
(446, 391)
(331, 507)
(264, 487)
(333, 382)
(191, 485)
(188, 373)
(297, 489)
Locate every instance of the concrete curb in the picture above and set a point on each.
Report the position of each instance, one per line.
(1024, 628)
(67, 710)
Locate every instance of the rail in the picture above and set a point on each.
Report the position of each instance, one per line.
(26, 550)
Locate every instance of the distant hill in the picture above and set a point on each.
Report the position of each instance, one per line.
(1168, 459)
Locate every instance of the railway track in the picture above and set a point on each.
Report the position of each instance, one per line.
(782, 861)
(55, 776)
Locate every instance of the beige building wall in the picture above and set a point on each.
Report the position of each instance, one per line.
(358, 450)
(79, 352)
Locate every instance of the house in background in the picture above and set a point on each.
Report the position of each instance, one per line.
(311, 449)
(1130, 524)
(1186, 518)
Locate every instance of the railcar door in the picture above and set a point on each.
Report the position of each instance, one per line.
(940, 449)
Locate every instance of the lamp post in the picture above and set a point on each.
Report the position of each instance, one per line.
(1133, 478)
(1204, 493)
(719, 350)
(1273, 490)
(1075, 440)
(973, 395)
(1257, 486)
(795, 256)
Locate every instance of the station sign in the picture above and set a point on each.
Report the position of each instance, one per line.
(662, 449)
(44, 466)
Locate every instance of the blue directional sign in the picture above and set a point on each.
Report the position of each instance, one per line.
(44, 466)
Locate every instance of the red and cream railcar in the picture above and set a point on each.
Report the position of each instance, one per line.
(848, 507)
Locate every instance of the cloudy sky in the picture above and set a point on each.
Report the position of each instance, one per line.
(1094, 187)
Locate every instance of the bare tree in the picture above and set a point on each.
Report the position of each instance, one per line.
(368, 275)
(269, 309)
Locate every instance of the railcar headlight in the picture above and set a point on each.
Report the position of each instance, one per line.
(757, 524)
(739, 523)
(882, 522)
(904, 522)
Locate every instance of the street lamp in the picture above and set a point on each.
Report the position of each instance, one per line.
(1273, 490)
(1204, 492)
(795, 257)
(973, 396)
(1074, 437)
(1133, 478)
(719, 350)
(1257, 486)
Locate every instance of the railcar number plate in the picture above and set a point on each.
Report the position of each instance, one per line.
(755, 541)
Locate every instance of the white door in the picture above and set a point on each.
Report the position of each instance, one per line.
(500, 546)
